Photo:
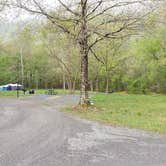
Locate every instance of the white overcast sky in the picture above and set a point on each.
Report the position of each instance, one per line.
(15, 16)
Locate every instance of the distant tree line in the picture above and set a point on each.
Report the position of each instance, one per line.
(134, 63)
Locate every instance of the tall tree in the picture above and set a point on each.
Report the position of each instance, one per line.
(86, 22)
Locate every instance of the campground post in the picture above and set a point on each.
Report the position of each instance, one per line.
(17, 91)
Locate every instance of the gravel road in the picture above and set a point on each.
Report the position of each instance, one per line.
(34, 133)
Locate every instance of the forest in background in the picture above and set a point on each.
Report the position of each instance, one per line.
(136, 64)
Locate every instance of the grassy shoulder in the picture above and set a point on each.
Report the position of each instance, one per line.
(13, 94)
(146, 112)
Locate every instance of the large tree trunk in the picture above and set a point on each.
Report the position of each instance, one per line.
(84, 96)
(83, 42)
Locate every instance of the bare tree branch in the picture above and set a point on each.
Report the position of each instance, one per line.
(116, 5)
(97, 6)
(68, 9)
(97, 58)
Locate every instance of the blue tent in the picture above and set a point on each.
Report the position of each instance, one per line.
(1, 88)
(10, 87)
(4, 87)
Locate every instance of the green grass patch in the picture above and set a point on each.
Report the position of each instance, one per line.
(21, 94)
(9, 93)
(37, 92)
(135, 111)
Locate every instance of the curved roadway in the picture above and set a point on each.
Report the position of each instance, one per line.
(34, 133)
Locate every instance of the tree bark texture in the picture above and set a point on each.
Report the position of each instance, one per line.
(83, 42)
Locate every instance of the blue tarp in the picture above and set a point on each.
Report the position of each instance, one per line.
(1, 88)
(4, 88)
(11, 87)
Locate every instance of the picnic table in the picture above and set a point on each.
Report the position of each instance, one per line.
(51, 92)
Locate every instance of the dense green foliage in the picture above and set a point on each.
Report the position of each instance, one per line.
(136, 64)
(149, 67)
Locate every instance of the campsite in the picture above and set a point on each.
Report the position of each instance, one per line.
(83, 83)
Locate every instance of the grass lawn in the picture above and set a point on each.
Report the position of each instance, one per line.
(14, 93)
(135, 111)
(37, 92)
(10, 93)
